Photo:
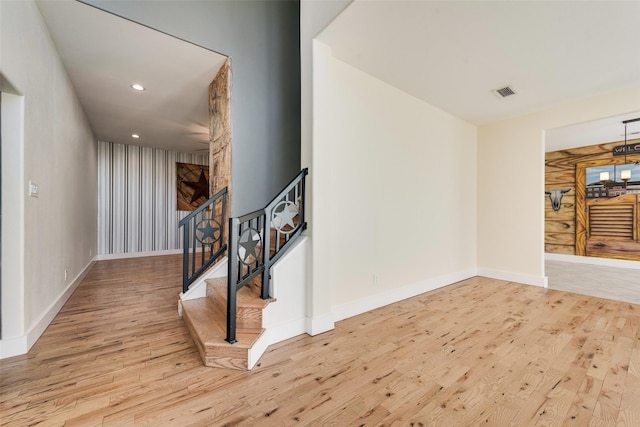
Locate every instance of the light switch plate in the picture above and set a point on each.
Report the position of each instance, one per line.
(33, 188)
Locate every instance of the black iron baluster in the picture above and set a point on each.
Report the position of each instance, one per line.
(241, 271)
(301, 221)
(232, 279)
(266, 254)
(190, 239)
(193, 246)
(185, 259)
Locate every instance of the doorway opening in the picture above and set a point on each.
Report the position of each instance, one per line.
(11, 208)
(607, 211)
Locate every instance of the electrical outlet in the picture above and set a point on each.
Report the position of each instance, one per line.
(33, 188)
(90, 252)
(66, 274)
(375, 280)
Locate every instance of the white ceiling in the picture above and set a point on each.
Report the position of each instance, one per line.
(448, 53)
(609, 129)
(104, 54)
(451, 54)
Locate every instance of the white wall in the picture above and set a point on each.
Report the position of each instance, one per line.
(137, 198)
(314, 17)
(394, 189)
(60, 226)
(12, 214)
(511, 211)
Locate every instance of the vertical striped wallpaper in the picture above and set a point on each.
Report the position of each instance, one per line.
(137, 198)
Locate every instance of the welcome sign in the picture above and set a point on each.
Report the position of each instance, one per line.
(621, 150)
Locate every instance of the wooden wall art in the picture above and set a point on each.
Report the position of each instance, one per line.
(192, 185)
(567, 227)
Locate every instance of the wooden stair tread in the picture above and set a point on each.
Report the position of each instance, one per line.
(209, 325)
(206, 320)
(248, 296)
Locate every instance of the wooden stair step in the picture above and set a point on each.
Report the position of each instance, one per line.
(208, 329)
(247, 296)
(249, 305)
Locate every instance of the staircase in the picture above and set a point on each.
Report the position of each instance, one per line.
(227, 322)
(206, 320)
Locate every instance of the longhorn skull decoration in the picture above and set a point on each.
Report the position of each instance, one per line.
(556, 197)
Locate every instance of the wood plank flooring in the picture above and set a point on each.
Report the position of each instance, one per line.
(479, 352)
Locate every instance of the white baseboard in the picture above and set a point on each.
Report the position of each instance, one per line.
(372, 302)
(319, 324)
(10, 347)
(509, 276)
(607, 262)
(20, 345)
(104, 257)
(285, 331)
(274, 335)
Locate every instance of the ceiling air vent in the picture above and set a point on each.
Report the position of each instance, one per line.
(503, 92)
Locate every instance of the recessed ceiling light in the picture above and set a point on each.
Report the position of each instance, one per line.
(135, 135)
(137, 86)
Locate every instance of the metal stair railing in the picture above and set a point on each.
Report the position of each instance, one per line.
(203, 231)
(258, 239)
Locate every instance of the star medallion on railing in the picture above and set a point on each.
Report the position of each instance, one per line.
(249, 246)
(208, 233)
(283, 217)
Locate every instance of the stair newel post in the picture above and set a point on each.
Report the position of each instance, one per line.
(266, 253)
(232, 279)
(223, 220)
(302, 197)
(185, 257)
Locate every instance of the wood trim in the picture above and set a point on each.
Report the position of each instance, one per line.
(581, 214)
(613, 249)
(560, 173)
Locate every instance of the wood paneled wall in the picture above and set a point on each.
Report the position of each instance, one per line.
(220, 139)
(137, 198)
(560, 173)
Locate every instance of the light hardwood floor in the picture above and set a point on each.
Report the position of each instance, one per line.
(479, 352)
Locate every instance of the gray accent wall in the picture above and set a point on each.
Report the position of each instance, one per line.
(137, 198)
(263, 40)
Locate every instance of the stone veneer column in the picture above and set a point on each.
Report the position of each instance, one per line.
(220, 134)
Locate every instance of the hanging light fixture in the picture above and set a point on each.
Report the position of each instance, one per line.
(625, 174)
